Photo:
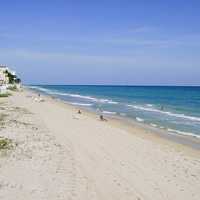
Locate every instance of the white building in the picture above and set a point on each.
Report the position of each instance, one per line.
(4, 79)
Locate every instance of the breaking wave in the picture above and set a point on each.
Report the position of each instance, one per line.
(139, 119)
(182, 133)
(109, 112)
(177, 115)
(81, 104)
(74, 95)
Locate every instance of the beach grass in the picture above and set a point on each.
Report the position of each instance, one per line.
(2, 116)
(13, 88)
(5, 95)
(5, 144)
(2, 119)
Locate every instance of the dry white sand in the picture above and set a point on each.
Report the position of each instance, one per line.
(63, 155)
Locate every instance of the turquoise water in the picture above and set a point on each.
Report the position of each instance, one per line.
(176, 109)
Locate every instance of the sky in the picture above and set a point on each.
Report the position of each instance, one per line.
(114, 42)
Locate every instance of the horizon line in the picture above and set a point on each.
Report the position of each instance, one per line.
(113, 85)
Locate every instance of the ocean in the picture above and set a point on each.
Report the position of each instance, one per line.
(175, 109)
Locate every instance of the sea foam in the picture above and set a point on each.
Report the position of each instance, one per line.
(182, 133)
(81, 104)
(139, 119)
(100, 100)
(177, 115)
(109, 112)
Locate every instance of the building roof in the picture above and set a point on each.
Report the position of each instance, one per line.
(3, 66)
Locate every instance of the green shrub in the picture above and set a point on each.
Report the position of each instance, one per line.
(2, 120)
(5, 94)
(13, 88)
(5, 143)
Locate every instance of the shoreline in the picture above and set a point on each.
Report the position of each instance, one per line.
(76, 156)
(129, 124)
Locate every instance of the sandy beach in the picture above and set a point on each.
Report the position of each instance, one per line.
(57, 154)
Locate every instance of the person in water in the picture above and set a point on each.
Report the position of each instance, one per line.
(162, 108)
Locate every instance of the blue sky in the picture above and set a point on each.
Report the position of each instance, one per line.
(102, 42)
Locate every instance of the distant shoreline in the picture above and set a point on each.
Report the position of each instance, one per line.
(123, 85)
(130, 123)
